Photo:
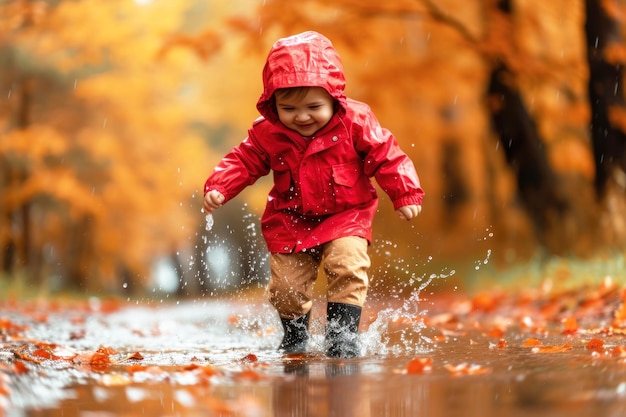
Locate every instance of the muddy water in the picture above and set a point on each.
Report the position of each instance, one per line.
(218, 358)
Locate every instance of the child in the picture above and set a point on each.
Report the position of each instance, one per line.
(322, 149)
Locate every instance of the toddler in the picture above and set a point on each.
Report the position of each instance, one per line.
(322, 149)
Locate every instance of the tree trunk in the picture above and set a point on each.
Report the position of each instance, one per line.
(605, 93)
(17, 244)
(561, 206)
(524, 150)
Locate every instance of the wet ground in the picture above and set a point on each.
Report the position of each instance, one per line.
(533, 355)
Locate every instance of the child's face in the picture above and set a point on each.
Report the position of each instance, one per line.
(305, 113)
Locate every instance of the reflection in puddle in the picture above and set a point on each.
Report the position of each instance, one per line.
(219, 359)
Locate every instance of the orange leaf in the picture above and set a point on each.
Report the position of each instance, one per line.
(419, 366)
(570, 325)
(552, 348)
(106, 350)
(20, 368)
(135, 368)
(496, 332)
(8, 326)
(25, 356)
(250, 375)
(206, 371)
(209, 371)
(109, 306)
(135, 356)
(502, 344)
(4, 391)
(595, 345)
(531, 342)
(191, 367)
(100, 359)
(250, 357)
(619, 351)
(485, 302)
(45, 345)
(42, 353)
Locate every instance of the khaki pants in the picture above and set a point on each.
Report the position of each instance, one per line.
(346, 263)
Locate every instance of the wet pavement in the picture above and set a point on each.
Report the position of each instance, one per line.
(218, 358)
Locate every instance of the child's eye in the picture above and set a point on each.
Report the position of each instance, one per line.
(315, 107)
(286, 108)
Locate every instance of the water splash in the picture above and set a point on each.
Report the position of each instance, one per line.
(209, 222)
(401, 331)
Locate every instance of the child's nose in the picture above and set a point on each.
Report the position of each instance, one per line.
(302, 115)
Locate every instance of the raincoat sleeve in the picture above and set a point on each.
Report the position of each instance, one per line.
(386, 162)
(241, 167)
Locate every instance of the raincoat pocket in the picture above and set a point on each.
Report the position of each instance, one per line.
(351, 186)
(347, 174)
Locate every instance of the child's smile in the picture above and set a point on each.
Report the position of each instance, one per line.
(305, 113)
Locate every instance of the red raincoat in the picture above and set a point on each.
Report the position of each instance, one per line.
(322, 188)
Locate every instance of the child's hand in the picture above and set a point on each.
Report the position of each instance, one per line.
(212, 200)
(409, 212)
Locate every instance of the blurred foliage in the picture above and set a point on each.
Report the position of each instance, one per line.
(114, 112)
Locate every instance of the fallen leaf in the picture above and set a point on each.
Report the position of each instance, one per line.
(595, 345)
(107, 350)
(134, 357)
(20, 368)
(100, 361)
(8, 327)
(570, 325)
(208, 371)
(250, 357)
(419, 366)
(531, 342)
(22, 354)
(619, 351)
(250, 375)
(42, 353)
(552, 348)
(496, 332)
(131, 369)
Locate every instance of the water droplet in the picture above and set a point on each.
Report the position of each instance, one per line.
(209, 222)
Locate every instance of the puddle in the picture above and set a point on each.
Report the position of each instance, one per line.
(218, 358)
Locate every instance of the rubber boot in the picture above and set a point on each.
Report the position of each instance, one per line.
(296, 334)
(342, 330)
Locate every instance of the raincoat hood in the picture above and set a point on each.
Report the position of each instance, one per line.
(307, 59)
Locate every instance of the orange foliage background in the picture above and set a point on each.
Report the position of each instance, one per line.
(113, 113)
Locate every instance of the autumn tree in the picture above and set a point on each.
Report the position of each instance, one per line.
(502, 83)
(99, 165)
(113, 114)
